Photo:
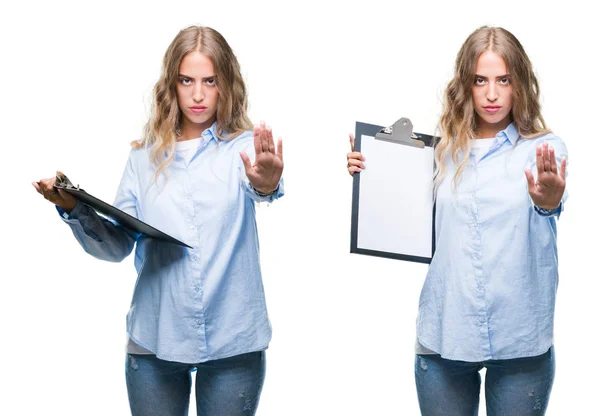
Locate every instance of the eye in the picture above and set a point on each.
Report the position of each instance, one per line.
(185, 81)
(504, 81)
(210, 81)
(479, 81)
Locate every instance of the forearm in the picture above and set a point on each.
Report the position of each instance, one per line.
(98, 236)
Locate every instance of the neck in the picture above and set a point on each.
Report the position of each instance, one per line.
(191, 130)
(486, 130)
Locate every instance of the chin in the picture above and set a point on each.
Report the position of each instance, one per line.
(496, 118)
(200, 118)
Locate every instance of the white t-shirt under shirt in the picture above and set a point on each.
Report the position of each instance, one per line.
(479, 147)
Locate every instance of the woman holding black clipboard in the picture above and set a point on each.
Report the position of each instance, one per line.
(489, 295)
(196, 174)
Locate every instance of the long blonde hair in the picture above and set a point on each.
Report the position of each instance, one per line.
(457, 124)
(164, 126)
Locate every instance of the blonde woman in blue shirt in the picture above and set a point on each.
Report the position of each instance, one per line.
(489, 295)
(196, 175)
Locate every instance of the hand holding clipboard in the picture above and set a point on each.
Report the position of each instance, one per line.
(60, 191)
(392, 199)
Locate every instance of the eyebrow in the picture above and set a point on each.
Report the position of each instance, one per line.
(203, 79)
(500, 76)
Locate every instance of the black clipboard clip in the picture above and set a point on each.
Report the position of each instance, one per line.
(400, 132)
(63, 182)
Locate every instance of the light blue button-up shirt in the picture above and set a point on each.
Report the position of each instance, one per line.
(491, 285)
(198, 304)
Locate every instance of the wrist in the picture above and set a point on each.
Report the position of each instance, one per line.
(548, 207)
(264, 192)
(68, 207)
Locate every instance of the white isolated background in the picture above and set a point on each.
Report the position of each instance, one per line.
(76, 79)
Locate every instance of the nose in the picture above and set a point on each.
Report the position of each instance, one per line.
(198, 92)
(492, 93)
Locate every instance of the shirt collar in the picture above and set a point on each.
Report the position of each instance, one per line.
(510, 132)
(209, 134)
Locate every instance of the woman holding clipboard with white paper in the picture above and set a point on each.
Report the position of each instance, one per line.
(197, 174)
(489, 295)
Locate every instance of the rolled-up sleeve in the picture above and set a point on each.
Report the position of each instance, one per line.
(105, 238)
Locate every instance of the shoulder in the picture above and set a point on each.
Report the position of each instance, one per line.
(552, 139)
(560, 148)
(242, 141)
(139, 156)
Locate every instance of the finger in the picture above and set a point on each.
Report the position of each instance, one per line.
(36, 185)
(47, 184)
(563, 169)
(539, 160)
(47, 188)
(355, 155)
(351, 142)
(50, 194)
(270, 140)
(354, 169)
(246, 161)
(530, 181)
(355, 162)
(546, 157)
(263, 137)
(280, 149)
(257, 143)
(552, 156)
(64, 194)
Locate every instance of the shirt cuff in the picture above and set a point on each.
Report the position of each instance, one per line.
(251, 192)
(267, 197)
(69, 216)
(549, 212)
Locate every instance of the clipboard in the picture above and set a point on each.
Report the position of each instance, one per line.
(121, 217)
(393, 209)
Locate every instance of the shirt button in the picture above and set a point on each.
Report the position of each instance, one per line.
(198, 322)
(194, 257)
(196, 289)
(482, 319)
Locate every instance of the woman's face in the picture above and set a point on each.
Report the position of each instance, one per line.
(197, 93)
(492, 92)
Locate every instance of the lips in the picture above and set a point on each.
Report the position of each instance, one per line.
(198, 109)
(492, 108)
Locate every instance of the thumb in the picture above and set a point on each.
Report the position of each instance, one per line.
(530, 181)
(246, 160)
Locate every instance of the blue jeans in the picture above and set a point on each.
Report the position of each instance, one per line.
(230, 386)
(517, 387)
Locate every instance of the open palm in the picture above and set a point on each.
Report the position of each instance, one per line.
(265, 173)
(547, 191)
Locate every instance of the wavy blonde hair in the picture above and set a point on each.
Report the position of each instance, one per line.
(164, 126)
(457, 124)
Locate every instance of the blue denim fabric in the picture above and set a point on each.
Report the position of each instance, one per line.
(515, 387)
(229, 386)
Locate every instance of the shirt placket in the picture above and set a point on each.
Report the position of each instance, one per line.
(481, 317)
(195, 282)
